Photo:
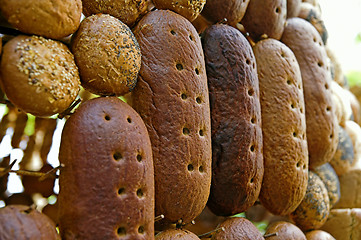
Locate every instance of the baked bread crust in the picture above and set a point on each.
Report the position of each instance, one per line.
(293, 8)
(285, 231)
(186, 8)
(178, 234)
(319, 234)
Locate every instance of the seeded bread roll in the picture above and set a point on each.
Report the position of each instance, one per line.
(293, 8)
(285, 231)
(319, 235)
(107, 54)
(186, 8)
(283, 127)
(126, 11)
(313, 211)
(344, 224)
(237, 228)
(22, 222)
(178, 234)
(231, 11)
(39, 75)
(48, 18)
(237, 162)
(322, 126)
(265, 18)
(107, 182)
(172, 97)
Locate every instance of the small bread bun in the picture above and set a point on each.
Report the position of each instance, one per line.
(107, 54)
(39, 75)
(48, 18)
(176, 234)
(186, 8)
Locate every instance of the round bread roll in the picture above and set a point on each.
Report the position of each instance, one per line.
(285, 231)
(313, 211)
(22, 222)
(48, 18)
(355, 106)
(178, 234)
(186, 8)
(354, 131)
(293, 8)
(107, 54)
(350, 184)
(345, 110)
(337, 73)
(39, 75)
(319, 235)
(126, 11)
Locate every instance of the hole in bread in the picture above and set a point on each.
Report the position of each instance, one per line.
(320, 64)
(253, 120)
(172, 32)
(190, 37)
(252, 148)
(250, 92)
(117, 156)
(292, 105)
(299, 86)
(289, 82)
(186, 131)
(326, 85)
(248, 61)
(278, 9)
(129, 119)
(140, 193)
(331, 135)
(254, 65)
(294, 134)
(252, 180)
(304, 166)
(301, 110)
(201, 133)
(121, 231)
(298, 164)
(198, 100)
(190, 167)
(314, 39)
(197, 71)
(121, 191)
(139, 158)
(179, 66)
(141, 229)
(328, 108)
(201, 169)
(184, 96)
(107, 117)
(282, 54)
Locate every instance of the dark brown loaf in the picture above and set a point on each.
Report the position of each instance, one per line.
(265, 18)
(285, 151)
(186, 8)
(172, 97)
(285, 231)
(107, 54)
(322, 126)
(22, 222)
(48, 18)
(237, 162)
(107, 182)
(293, 8)
(39, 75)
(126, 11)
(231, 11)
(178, 234)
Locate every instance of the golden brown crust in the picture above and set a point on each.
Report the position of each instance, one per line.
(45, 70)
(350, 184)
(237, 162)
(201, 23)
(322, 126)
(218, 10)
(107, 182)
(237, 228)
(48, 18)
(186, 8)
(314, 209)
(265, 18)
(319, 235)
(129, 12)
(285, 151)
(107, 54)
(172, 97)
(178, 234)
(285, 231)
(293, 8)
(23, 222)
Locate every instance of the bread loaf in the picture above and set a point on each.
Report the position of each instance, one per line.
(172, 97)
(107, 182)
(319, 235)
(293, 8)
(322, 126)
(354, 131)
(285, 231)
(344, 110)
(178, 234)
(265, 18)
(186, 8)
(285, 151)
(350, 183)
(237, 163)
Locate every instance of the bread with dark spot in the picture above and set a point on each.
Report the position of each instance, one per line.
(186, 8)
(172, 98)
(285, 231)
(107, 54)
(107, 181)
(322, 126)
(285, 150)
(178, 234)
(293, 8)
(319, 235)
(237, 162)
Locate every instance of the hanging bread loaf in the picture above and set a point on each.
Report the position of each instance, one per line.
(284, 231)
(285, 151)
(178, 234)
(319, 235)
(237, 163)
(107, 182)
(322, 126)
(350, 184)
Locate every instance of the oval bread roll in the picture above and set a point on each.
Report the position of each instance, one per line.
(293, 8)
(172, 97)
(186, 8)
(237, 163)
(178, 234)
(285, 151)
(354, 131)
(285, 231)
(321, 122)
(319, 235)
(107, 182)
(345, 110)
(350, 184)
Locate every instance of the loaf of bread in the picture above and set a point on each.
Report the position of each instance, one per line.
(354, 131)
(186, 8)
(342, 98)
(23, 222)
(107, 54)
(293, 8)
(237, 162)
(178, 234)
(322, 126)
(285, 151)
(336, 68)
(172, 97)
(48, 18)
(319, 235)
(285, 231)
(344, 224)
(107, 182)
(39, 75)
(350, 183)
(230, 11)
(355, 107)
(265, 18)
(126, 11)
